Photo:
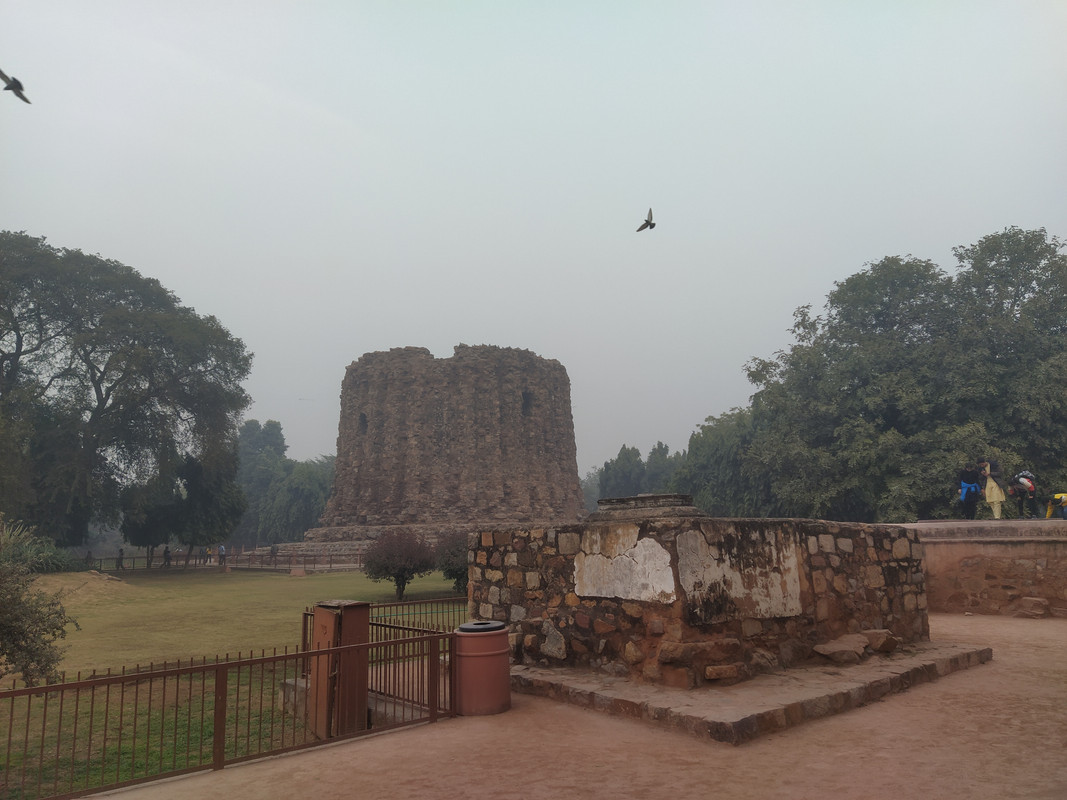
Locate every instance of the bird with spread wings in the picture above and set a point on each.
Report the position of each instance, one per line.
(14, 85)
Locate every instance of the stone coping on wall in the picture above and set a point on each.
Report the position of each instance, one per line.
(929, 530)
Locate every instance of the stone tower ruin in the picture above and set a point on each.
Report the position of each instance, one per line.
(485, 436)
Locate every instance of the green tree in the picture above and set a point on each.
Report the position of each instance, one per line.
(452, 559)
(660, 467)
(103, 376)
(398, 557)
(285, 497)
(591, 489)
(31, 622)
(297, 499)
(909, 373)
(715, 474)
(624, 475)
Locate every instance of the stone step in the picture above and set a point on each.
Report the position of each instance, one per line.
(765, 704)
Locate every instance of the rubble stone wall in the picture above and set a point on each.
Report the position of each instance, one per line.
(484, 436)
(997, 575)
(670, 595)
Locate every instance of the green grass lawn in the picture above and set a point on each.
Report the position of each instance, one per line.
(152, 616)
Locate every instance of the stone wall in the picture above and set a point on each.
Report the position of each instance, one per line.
(667, 594)
(484, 436)
(1012, 567)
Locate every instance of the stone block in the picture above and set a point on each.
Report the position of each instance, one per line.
(881, 640)
(847, 649)
(569, 543)
(874, 576)
(751, 627)
(719, 672)
(633, 654)
(602, 626)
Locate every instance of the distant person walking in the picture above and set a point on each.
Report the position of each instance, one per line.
(166, 556)
(992, 486)
(970, 490)
(222, 555)
(119, 560)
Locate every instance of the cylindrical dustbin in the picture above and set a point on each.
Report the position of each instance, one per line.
(483, 668)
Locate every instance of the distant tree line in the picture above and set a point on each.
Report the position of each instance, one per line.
(629, 474)
(908, 375)
(285, 497)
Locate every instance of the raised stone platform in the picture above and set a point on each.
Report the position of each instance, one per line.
(765, 704)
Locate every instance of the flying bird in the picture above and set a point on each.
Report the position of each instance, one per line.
(14, 85)
(648, 223)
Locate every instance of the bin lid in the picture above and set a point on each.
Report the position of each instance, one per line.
(482, 626)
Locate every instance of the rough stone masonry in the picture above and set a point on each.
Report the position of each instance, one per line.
(654, 589)
(430, 445)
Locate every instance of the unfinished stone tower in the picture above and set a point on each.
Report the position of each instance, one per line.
(485, 436)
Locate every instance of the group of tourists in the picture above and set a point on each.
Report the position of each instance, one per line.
(983, 480)
(206, 555)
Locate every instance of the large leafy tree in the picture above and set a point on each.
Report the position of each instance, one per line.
(104, 378)
(908, 374)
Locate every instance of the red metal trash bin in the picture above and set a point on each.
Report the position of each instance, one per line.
(483, 668)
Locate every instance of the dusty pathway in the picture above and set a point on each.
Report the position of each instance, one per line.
(995, 731)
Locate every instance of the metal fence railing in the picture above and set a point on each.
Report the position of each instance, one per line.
(442, 615)
(83, 736)
(250, 560)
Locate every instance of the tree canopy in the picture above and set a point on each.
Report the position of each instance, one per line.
(106, 381)
(398, 557)
(909, 374)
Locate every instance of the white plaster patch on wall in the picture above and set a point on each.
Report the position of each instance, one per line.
(769, 590)
(643, 572)
(609, 541)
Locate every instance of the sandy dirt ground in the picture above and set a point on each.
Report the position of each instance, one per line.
(994, 731)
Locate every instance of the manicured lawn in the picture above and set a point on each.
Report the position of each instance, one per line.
(152, 616)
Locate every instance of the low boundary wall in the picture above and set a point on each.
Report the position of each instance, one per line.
(1014, 567)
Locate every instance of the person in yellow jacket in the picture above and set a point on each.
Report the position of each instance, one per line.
(1057, 506)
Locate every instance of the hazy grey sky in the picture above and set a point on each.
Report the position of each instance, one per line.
(334, 178)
